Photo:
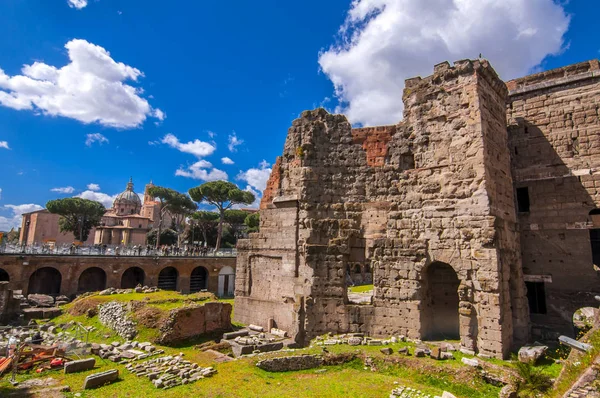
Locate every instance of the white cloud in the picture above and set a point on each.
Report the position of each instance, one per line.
(93, 187)
(384, 42)
(227, 160)
(211, 134)
(95, 137)
(256, 177)
(4, 144)
(106, 200)
(90, 88)
(68, 189)
(255, 204)
(198, 171)
(0, 193)
(79, 4)
(14, 219)
(234, 142)
(197, 148)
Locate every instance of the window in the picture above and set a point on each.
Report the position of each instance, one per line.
(523, 200)
(536, 295)
(595, 242)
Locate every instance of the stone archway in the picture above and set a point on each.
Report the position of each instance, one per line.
(92, 280)
(46, 280)
(132, 277)
(167, 279)
(4, 276)
(198, 280)
(440, 316)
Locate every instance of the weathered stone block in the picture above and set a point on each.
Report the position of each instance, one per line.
(100, 379)
(79, 365)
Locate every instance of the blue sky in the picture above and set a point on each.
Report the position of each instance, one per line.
(96, 91)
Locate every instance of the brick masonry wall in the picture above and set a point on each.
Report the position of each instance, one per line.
(554, 142)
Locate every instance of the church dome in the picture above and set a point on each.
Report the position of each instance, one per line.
(128, 197)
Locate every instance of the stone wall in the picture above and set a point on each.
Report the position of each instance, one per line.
(555, 150)
(289, 364)
(188, 322)
(430, 196)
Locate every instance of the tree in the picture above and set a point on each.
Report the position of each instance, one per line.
(167, 237)
(77, 215)
(235, 219)
(204, 221)
(252, 221)
(223, 195)
(174, 203)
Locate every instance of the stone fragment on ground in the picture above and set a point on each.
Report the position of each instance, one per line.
(532, 353)
(100, 379)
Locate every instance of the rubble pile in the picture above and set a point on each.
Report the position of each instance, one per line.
(125, 352)
(355, 339)
(170, 371)
(408, 392)
(114, 315)
(137, 289)
(254, 340)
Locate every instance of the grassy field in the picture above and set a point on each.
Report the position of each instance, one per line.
(241, 378)
(361, 288)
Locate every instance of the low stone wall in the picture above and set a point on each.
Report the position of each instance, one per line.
(188, 322)
(287, 364)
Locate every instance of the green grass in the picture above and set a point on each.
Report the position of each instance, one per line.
(361, 288)
(241, 378)
(575, 365)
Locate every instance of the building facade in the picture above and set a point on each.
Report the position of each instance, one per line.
(469, 228)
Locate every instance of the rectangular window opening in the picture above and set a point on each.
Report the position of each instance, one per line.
(523, 200)
(595, 242)
(536, 295)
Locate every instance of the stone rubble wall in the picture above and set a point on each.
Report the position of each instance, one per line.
(114, 315)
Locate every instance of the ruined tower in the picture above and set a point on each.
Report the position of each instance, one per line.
(426, 206)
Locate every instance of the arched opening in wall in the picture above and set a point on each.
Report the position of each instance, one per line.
(132, 277)
(226, 282)
(595, 237)
(439, 319)
(198, 279)
(45, 280)
(167, 279)
(4, 276)
(92, 280)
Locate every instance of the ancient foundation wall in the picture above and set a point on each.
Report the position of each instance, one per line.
(189, 322)
(555, 150)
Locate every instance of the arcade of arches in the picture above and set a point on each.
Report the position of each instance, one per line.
(62, 275)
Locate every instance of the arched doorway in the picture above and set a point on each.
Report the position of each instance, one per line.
(4, 276)
(45, 280)
(167, 279)
(226, 282)
(92, 280)
(198, 280)
(132, 277)
(439, 318)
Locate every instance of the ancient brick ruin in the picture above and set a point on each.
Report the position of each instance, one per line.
(462, 221)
